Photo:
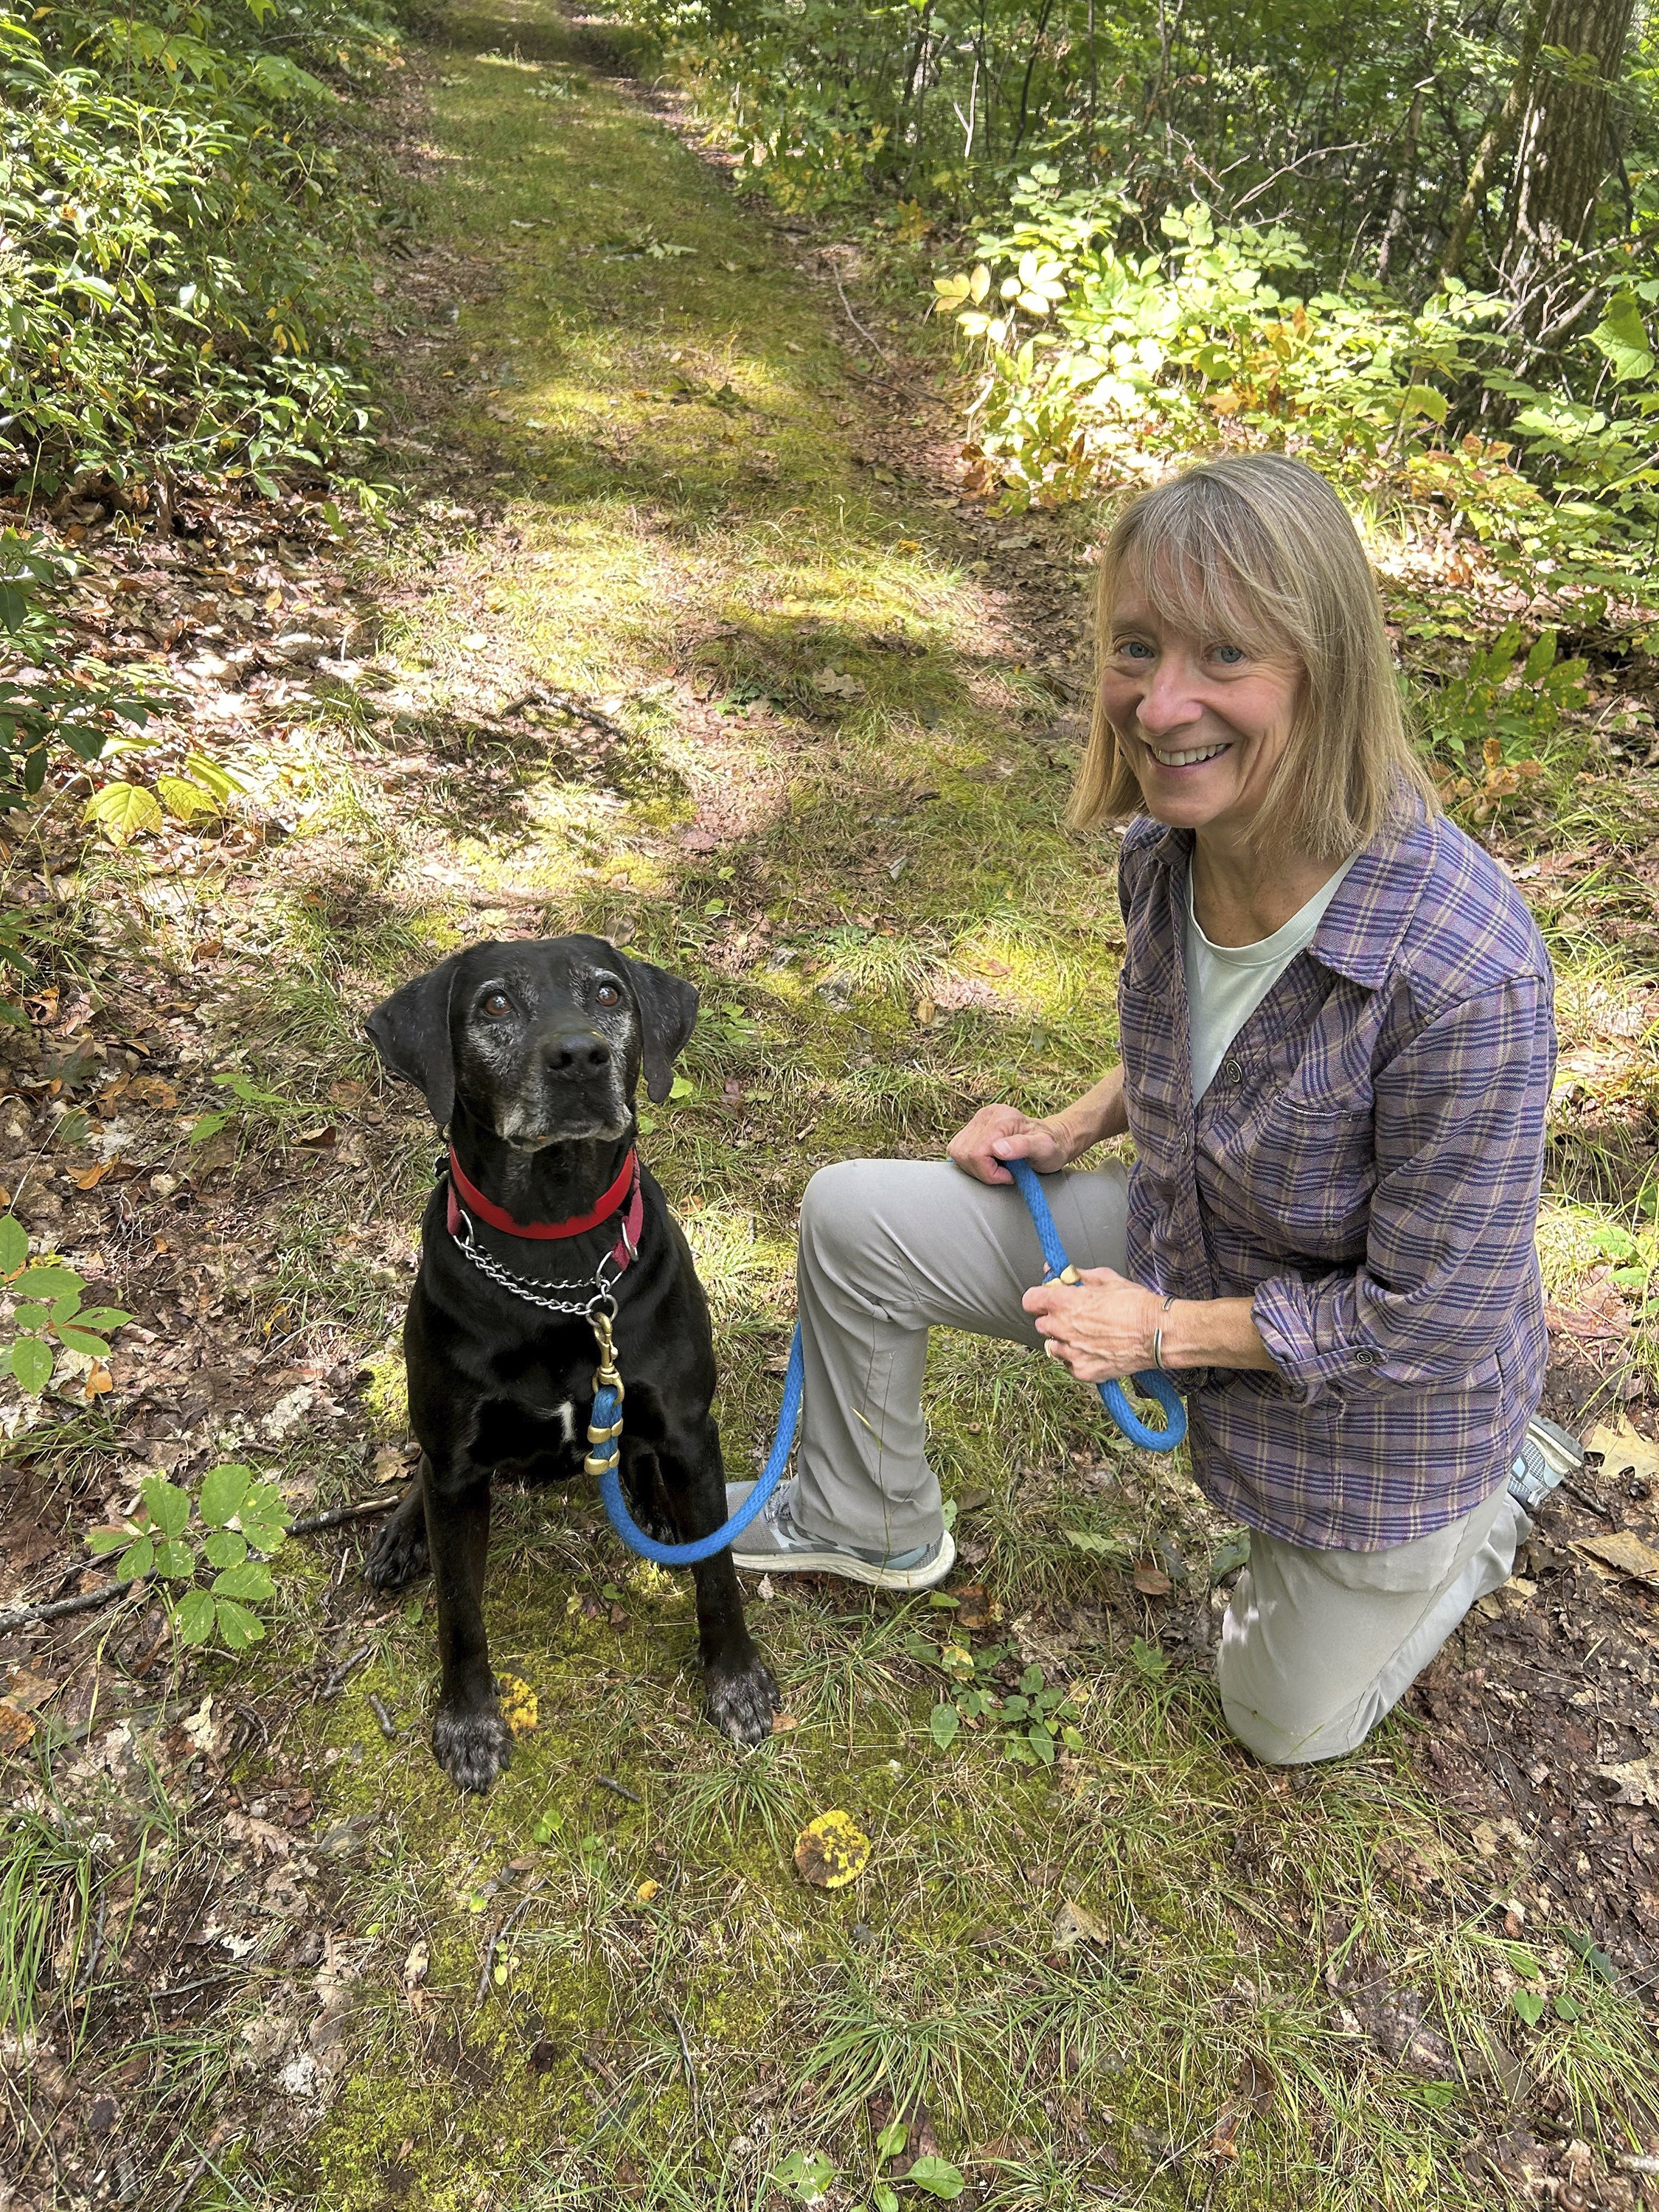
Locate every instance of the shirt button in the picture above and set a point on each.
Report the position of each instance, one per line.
(1366, 1358)
(1233, 1068)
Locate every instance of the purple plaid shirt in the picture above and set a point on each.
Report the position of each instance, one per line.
(1365, 1168)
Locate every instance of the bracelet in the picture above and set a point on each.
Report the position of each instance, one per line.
(1158, 1339)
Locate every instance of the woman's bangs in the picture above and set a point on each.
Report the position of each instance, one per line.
(1223, 600)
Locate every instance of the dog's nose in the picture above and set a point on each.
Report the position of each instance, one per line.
(575, 1052)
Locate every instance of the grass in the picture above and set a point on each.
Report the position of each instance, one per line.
(886, 923)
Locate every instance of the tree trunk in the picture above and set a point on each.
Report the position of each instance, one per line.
(1562, 150)
(1495, 140)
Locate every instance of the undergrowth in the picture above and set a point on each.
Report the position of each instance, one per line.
(183, 210)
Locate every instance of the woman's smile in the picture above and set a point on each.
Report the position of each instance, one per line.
(1188, 759)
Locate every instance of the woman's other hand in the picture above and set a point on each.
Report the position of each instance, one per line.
(998, 1133)
(1101, 1327)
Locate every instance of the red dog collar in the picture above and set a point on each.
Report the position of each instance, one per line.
(627, 1184)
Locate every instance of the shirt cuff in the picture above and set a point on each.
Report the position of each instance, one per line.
(1285, 1311)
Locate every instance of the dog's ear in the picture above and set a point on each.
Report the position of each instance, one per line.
(410, 1032)
(668, 1011)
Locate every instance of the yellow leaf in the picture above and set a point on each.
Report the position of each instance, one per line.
(646, 1890)
(518, 1705)
(829, 1852)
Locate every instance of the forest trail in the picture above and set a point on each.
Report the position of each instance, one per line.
(689, 640)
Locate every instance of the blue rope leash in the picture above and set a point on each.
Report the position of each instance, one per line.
(604, 1427)
(603, 1461)
(1150, 1384)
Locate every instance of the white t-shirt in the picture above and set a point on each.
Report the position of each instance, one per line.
(1225, 983)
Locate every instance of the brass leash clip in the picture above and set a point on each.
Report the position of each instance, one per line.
(602, 1436)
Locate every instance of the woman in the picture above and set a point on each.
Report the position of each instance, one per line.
(1338, 1047)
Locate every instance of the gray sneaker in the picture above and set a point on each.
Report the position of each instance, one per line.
(774, 1544)
(1547, 1456)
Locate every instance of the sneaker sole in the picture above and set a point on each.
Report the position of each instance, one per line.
(849, 1566)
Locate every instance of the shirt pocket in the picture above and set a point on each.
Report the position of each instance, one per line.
(1304, 1163)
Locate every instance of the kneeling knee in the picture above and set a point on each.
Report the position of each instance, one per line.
(835, 1206)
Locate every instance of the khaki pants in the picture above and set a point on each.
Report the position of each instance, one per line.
(1316, 1646)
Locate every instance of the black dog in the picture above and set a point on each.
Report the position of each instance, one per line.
(530, 1052)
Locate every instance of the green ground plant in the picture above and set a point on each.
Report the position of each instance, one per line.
(50, 694)
(48, 1314)
(237, 1520)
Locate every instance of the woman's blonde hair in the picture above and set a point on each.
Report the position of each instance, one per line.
(1256, 550)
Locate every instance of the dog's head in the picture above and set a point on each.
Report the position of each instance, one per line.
(541, 1041)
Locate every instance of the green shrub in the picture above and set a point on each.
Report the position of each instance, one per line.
(178, 288)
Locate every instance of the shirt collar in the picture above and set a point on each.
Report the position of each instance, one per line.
(1362, 928)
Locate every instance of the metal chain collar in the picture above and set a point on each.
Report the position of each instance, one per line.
(604, 1291)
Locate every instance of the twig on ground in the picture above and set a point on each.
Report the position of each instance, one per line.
(618, 1789)
(313, 1521)
(501, 1936)
(867, 338)
(1590, 1504)
(26, 1616)
(685, 2053)
(338, 1680)
(388, 1727)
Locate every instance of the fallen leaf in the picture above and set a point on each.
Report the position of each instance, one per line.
(16, 1728)
(264, 1835)
(93, 1177)
(646, 1890)
(1074, 1923)
(785, 1723)
(519, 1708)
(1624, 1452)
(1637, 1781)
(1150, 1579)
(831, 1851)
(837, 685)
(26, 1691)
(1624, 1552)
(974, 1608)
(414, 1966)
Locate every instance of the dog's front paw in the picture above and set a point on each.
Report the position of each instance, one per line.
(472, 1745)
(742, 1700)
(398, 1551)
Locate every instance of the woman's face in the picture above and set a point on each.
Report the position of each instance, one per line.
(1202, 723)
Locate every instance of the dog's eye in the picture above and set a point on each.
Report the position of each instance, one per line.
(497, 1004)
(608, 995)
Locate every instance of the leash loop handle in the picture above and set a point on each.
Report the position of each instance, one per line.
(1151, 1384)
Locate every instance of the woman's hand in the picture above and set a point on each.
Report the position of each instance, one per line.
(997, 1133)
(1100, 1328)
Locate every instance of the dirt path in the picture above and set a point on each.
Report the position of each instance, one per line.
(688, 640)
